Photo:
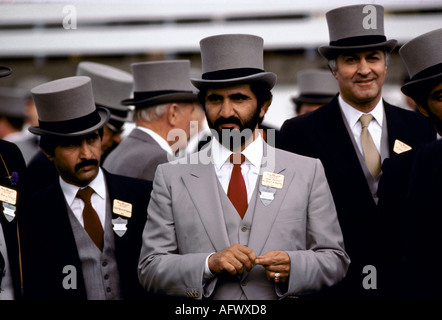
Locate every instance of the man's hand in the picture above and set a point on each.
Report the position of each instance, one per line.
(232, 259)
(275, 262)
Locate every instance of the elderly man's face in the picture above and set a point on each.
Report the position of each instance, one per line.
(361, 76)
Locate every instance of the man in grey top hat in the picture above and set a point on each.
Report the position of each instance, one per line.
(164, 101)
(353, 134)
(110, 85)
(81, 235)
(317, 87)
(422, 279)
(261, 228)
(12, 198)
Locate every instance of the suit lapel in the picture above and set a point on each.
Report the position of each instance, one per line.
(264, 216)
(202, 185)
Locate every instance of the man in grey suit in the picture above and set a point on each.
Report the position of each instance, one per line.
(269, 233)
(164, 101)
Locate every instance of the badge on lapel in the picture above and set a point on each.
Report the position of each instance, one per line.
(269, 183)
(400, 147)
(9, 198)
(122, 209)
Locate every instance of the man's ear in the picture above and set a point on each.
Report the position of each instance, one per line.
(422, 110)
(265, 107)
(50, 157)
(172, 114)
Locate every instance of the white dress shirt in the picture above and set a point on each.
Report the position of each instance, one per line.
(375, 126)
(249, 168)
(158, 139)
(98, 198)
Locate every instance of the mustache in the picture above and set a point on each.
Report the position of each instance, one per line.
(230, 120)
(84, 163)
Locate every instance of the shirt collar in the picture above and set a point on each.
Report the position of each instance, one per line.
(253, 153)
(159, 139)
(352, 115)
(70, 190)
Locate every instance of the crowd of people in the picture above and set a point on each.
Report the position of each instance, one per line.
(340, 203)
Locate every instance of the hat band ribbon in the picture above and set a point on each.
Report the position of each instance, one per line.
(144, 95)
(72, 125)
(230, 73)
(428, 72)
(358, 41)
(113, 111)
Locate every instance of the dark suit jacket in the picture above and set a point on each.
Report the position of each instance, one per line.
(322, 134)
(14, 162)
(422, 278)
(49, 244)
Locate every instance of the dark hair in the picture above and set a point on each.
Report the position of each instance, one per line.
(49, 142)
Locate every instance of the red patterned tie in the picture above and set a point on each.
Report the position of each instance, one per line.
(92, 223)
(237, 191)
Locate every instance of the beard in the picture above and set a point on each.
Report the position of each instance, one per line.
(234, 138)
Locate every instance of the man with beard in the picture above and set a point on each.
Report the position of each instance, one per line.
(82, 234)
(262, 228)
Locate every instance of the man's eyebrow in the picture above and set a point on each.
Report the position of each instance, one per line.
(213, 95)
(239, 96)
(436, 93)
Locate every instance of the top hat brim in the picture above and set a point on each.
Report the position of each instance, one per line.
(103, 113)
(266, 77)
(331, 52)
(414, 88)
(5, 71)
(163, 98)
(313, 99)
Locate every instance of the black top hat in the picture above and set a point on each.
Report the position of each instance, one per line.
(356, 28)
(423, 59)
(66, 107)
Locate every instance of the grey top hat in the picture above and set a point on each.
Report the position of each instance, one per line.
(316, 86)
(231, 59)
(356, 28)
(110, 85)
(423, 59)
(159, 82)
(66, 107)
(12, 102)
(5, 71)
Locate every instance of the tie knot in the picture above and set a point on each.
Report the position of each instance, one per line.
(237, 158)
(365, 119)
(85, 194)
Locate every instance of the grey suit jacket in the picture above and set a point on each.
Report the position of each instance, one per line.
(137, 156)
(186, 223)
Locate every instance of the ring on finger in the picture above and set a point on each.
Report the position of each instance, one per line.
(277, 276)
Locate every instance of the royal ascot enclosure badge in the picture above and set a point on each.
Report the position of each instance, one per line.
(269, 183)
(122, 208)
(400, 147)
(9, 198)
(272, 180)
(119, 226)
